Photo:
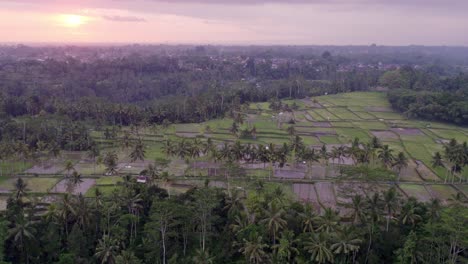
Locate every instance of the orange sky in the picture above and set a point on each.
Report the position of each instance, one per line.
(236, 22)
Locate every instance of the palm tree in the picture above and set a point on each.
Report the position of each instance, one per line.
(106, 250)
(286, 247)
(401, 161)
(126, 140)
(437, 161)
(20, 189)
(110, 160)
(74, 180)
(309, 156)
(21, 233)
(308, 217)
(346, 242)
(318, 246)
(169, 148)
(385, 154)
(409, 213)
(291, 131)
(127, 257)
(138, 152)
(274, 220)
(234, 129)
(328, 222)
(254, 250)
(93, 153)
(202, 257)
(358, 207)
(390, 202)
(69, 166)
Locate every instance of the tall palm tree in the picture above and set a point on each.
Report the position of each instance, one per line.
(346, 242)
(328, 222)
(401, 161)
(309, 156)
(385, 154)
(110, 160)
(203, 257)
(127, 257)
(20, 188)
(74, 180)
(254, 250)
(390, 202)
(169, 148)
(409, 213)
(139, 152)
(234, 129)
(286, 248)
(69, 166)
(22, 232)
(291, 131)
(358, 206)
(93, 153)
(308, 217)
(274, 220)
(107, 249)
(437, 161)
(318, 246)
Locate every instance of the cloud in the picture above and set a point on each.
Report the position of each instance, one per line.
(123, 18)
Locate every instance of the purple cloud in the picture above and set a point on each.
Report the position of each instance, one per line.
(123, 18)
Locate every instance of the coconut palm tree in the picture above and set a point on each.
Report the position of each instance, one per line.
(291, 131)
(274, 220)
(385, 155)
(93, 153)
(318, 246)
(106, 250)
(401, 161)
(169, 148)
(254, 250)
(328, 222)
(358, 206)
(391, 203)
(234, 129)
(110, 160)
(203, 257)
(21, 234)
(346, 242)
(309, 156)
(74, 180)
(20, 189)
(139, 152)
(286, 247)
(69, 166)
(127, 257)
(409, 213)
(308, 217)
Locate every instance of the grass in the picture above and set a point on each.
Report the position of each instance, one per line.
(14, 167)
(370, 125)
(109, 180)
(106, 190)
(41, 185)
(343, 113)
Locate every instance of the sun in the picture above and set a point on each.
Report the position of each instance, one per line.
(73, 20)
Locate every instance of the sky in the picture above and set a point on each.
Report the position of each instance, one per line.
(241, 22)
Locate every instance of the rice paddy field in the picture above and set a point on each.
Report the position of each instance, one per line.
(332, 119)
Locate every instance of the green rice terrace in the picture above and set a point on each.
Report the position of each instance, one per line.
(322, 177)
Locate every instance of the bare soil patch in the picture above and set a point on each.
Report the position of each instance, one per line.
(425, 172)
(326, 194)
(205, 165)
(384, 134)
(407, 131)
(187, 134)
(322, 124)
(306, 193)
(342, 161)
(289, 174)
(64, 187)
(409, 173)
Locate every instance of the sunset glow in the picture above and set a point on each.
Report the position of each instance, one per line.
(72, 20)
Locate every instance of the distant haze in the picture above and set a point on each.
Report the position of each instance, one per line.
(259, 22)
